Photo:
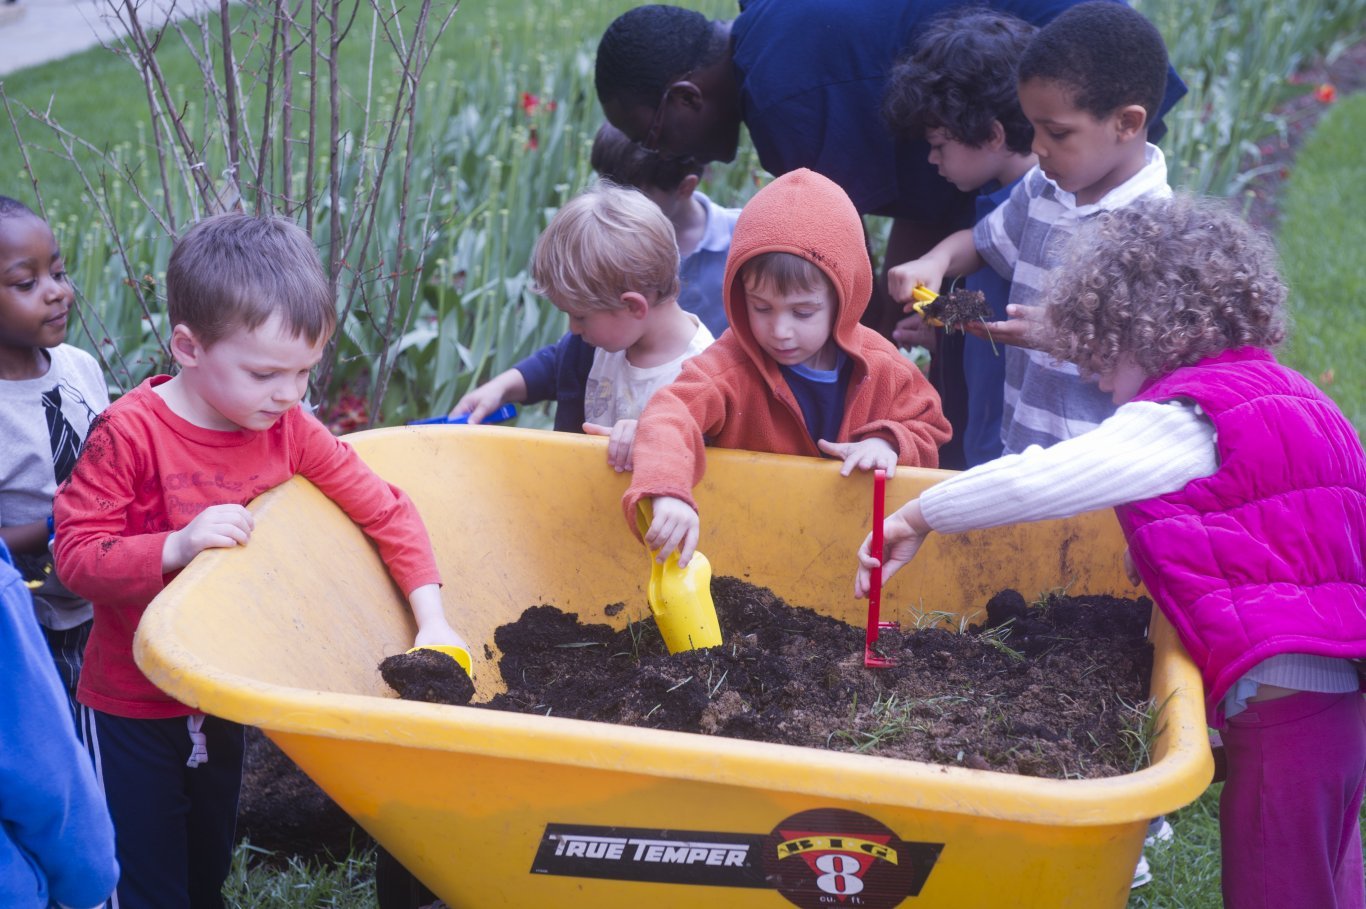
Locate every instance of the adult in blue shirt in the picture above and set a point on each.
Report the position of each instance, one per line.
(806, 78)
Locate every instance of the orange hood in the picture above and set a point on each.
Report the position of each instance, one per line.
(807, 215)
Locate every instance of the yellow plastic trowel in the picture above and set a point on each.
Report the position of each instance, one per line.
(922, 297)
(680, 598)
(459, 654)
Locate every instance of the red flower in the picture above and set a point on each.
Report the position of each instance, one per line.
(349, 414)
(1326, 93)
(532, 142)
(531, 104)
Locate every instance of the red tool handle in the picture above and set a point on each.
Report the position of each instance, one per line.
(875, 581)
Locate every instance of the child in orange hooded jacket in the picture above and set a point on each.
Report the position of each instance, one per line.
(795, 374)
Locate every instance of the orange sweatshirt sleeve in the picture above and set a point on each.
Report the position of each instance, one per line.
(906, 411)
(671, 437)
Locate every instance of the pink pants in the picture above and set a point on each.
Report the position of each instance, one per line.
(1289, 817)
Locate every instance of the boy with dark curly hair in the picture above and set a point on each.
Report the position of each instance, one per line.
(1091, 83)
(957, 93)
(1241, 489)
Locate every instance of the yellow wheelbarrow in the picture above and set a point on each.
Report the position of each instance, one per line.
(493, 809)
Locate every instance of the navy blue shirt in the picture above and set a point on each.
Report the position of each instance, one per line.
(812, 75)
(559, 373)
(820, 394)
(984, 364)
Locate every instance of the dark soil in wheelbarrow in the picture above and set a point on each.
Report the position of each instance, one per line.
(1049, 690)
(1054, 690)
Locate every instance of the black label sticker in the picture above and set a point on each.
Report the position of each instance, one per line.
(820, 858)
(657, 856)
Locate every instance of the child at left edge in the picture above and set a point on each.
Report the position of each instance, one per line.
(50, 393)
(795, 374)
(1241, 490)
(166, 473)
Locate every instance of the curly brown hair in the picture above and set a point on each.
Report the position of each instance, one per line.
(1168, 282)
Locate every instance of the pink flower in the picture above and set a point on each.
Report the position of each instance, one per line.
(1326, 93)
(529, 103)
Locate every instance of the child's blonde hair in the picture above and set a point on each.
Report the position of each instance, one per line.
(234, 271)
(1168, 282)
(603, 243)
(785, 273)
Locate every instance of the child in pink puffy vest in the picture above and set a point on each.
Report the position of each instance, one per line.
(1241, 489)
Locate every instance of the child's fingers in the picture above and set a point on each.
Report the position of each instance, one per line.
(593, 429)
(687, 547)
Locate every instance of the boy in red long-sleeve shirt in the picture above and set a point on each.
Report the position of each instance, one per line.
(165, 473)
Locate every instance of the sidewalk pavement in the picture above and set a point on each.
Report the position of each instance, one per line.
(37, 31)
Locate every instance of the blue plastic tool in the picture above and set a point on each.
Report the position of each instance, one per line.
(501, 415)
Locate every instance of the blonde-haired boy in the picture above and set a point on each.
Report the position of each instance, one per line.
(609, 260)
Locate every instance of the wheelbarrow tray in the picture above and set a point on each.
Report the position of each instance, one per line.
(498, 809)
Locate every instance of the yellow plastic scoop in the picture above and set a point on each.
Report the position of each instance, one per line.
(923, 297)
(459, 654)
(680, 598)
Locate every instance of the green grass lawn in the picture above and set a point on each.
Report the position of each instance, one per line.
(1321, 239)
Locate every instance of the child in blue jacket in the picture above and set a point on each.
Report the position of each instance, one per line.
(56, 840)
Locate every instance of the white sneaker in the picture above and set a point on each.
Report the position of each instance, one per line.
(1142, 875)
(1159, 831)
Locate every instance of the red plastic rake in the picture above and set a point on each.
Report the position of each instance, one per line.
(875, 624)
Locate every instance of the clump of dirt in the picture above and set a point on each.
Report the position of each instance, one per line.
(427, 675)
(957, 308)
(1050, 691)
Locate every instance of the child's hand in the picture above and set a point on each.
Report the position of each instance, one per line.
(216, 527)
(902, 535)
(870, 454)
(479, 403)
(1130, 571)
(675, 526)
(906, 277)
(621, 440)
(432, 627)
(1026, 327)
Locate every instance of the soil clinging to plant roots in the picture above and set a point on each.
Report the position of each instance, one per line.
(959, 307)
(1054, 690)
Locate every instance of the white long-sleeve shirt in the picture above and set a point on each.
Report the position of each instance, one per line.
(1146, 449)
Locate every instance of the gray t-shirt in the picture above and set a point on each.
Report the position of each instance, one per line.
(43, 422)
